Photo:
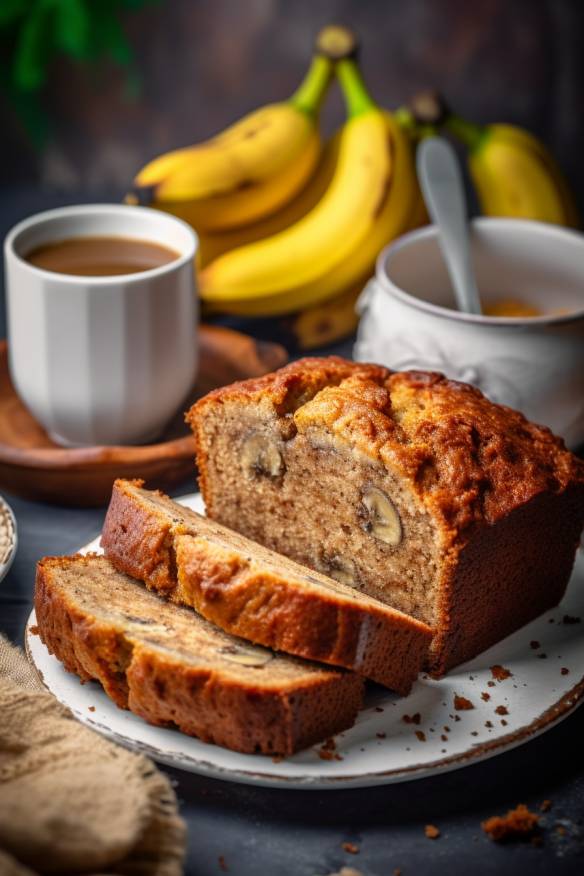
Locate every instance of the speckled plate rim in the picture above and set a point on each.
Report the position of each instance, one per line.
(7, 562)
(206, 764)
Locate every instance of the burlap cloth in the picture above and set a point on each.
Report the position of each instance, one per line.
(70, 800)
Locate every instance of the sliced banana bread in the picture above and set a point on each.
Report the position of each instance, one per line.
(255, 593)
(413, 488)
(172, 667)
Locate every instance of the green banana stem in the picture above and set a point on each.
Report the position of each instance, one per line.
(311, 91)
(357, 97)
(469, 133)
(416, 130)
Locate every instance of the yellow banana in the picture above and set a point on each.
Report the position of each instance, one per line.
(514, 174)
(368, 202)
(248, 171)
(327, 323)
(400, 210)
(211, 246)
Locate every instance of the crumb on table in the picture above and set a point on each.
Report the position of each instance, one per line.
(350, 848)
(519, 823)
(431, 831)
(462, 704)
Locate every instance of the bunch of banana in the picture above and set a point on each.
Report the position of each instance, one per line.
(372, 197)
(513, 172)
(248, 171)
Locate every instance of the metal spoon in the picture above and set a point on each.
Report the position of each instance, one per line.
(441, 182)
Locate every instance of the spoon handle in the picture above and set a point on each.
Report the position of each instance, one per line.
(441, 183)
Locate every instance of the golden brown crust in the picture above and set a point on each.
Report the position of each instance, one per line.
(232, 583)
(202, 700)
(470, 461)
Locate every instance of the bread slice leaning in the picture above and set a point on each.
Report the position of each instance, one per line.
(171, 667)
(256, 593)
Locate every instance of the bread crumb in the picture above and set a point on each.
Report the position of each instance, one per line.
(328, 750)
(91, 708)
(542, 656)
(534, 644)
(381, 735)
(501, 710)
(485, 696)
(421, 735)
(378, 709)
(412, 719)
(545, 806)
(222, 865)
(564, 670)
(462, 704)
(500, 673)
(34, 630)
(488, 723)
(350, 848)
(519, 823)
(444, 738)
(503, 722)
(491, 683)
(570, 619)
(446, 729)
(431, 831)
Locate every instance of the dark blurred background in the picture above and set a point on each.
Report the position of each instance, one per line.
(150, 76)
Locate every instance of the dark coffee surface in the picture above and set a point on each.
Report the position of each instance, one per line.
(100, 256)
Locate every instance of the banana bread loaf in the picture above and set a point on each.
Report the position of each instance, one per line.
(413, 488)
(257, 594)
(172, 667)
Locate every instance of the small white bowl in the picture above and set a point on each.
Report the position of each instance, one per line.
(533, 364)
(8, 525)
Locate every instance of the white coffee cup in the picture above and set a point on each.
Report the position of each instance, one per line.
(107, 359)
(534, 364)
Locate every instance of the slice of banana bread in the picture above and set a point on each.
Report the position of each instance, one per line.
(257, 594)
(172, 667)
(413, 488)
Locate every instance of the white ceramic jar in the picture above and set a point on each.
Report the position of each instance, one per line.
(534, 364)
(108, 359)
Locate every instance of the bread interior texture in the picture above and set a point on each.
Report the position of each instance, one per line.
(324, 504)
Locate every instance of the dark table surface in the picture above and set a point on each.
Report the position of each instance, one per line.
(274, 832)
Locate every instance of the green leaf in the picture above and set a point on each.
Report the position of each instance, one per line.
(108, 36)
(33, 49)
(11, 9)
(72, 27)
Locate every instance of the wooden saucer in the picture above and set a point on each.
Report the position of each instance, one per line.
(33, 466)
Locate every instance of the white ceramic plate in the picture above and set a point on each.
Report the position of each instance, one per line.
(7, 551)
(382, 747)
